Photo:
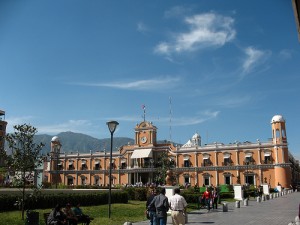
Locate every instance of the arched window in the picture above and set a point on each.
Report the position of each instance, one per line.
(70, 180)
(186, 178)
(83, 180)
(96, 180)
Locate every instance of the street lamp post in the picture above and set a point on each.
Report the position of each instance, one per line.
(56, 145)
(112, 125)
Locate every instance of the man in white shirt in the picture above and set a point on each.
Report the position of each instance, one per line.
(178, 206)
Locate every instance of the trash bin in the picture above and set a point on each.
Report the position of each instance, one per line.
(225, 207)
(32, 218)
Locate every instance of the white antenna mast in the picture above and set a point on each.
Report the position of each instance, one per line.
(170, 130)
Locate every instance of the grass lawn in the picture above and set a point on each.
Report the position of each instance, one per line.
(120, 213)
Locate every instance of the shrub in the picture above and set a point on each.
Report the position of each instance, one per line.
(50, 200)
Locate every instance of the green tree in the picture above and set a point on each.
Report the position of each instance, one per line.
(163, 164)
(25, 157)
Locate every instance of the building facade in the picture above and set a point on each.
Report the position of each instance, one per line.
(210, 164)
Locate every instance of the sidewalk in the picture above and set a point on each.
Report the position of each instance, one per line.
(277, 211)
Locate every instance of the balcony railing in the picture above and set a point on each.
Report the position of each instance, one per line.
(268, 162)
(227, 164)
(249, 163)
(206, 164)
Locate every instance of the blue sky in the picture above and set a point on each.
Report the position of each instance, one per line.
(219, 68)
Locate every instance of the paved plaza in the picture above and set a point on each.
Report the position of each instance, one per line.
(277, 211)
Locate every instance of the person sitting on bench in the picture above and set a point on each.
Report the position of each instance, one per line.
(57, 217)
(80, 215)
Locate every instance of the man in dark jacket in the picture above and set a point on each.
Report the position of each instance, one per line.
(151, 211)
(161, 204)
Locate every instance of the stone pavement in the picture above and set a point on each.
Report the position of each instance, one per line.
(277, 211)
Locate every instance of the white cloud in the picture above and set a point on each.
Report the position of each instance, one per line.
(286, 54)
(205, 30)
(71, 125)
(176, 11)
(11, 122)
(141, 27)
(232, 102)
(147, 84)
(254, 57)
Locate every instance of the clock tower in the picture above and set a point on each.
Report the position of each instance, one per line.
(145, 134)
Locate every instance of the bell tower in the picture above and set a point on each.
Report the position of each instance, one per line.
(145, 134)
(278, 130)
(282, 172)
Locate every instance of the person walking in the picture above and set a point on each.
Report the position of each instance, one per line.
(151, 211)
(178, 206)
(215, 198)
(161, 204)
(207, 198)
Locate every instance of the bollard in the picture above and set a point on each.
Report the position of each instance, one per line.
(237, 204)
(263, 198)
(297, 220)
(186, 217)
(225, 207)
(271, 196)
(258, 199)
(245, 202)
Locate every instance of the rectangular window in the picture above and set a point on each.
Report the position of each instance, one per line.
(227, 179)
(186, 163)
(267, 159)
(206, 181)
(227, 162)
(97, 166)
(83, 166)
(206, 162)
(186, 179)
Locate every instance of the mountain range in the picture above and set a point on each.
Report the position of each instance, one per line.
(82, 143)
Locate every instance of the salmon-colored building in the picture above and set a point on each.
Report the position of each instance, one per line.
(210, 164)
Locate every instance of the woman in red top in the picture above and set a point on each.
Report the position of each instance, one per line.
(207, 197)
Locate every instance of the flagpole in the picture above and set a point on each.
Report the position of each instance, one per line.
(144, 108)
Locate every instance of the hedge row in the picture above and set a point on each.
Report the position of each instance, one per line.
(9, 202)
(194, 198)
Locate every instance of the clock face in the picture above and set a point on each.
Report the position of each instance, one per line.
(143, 139)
